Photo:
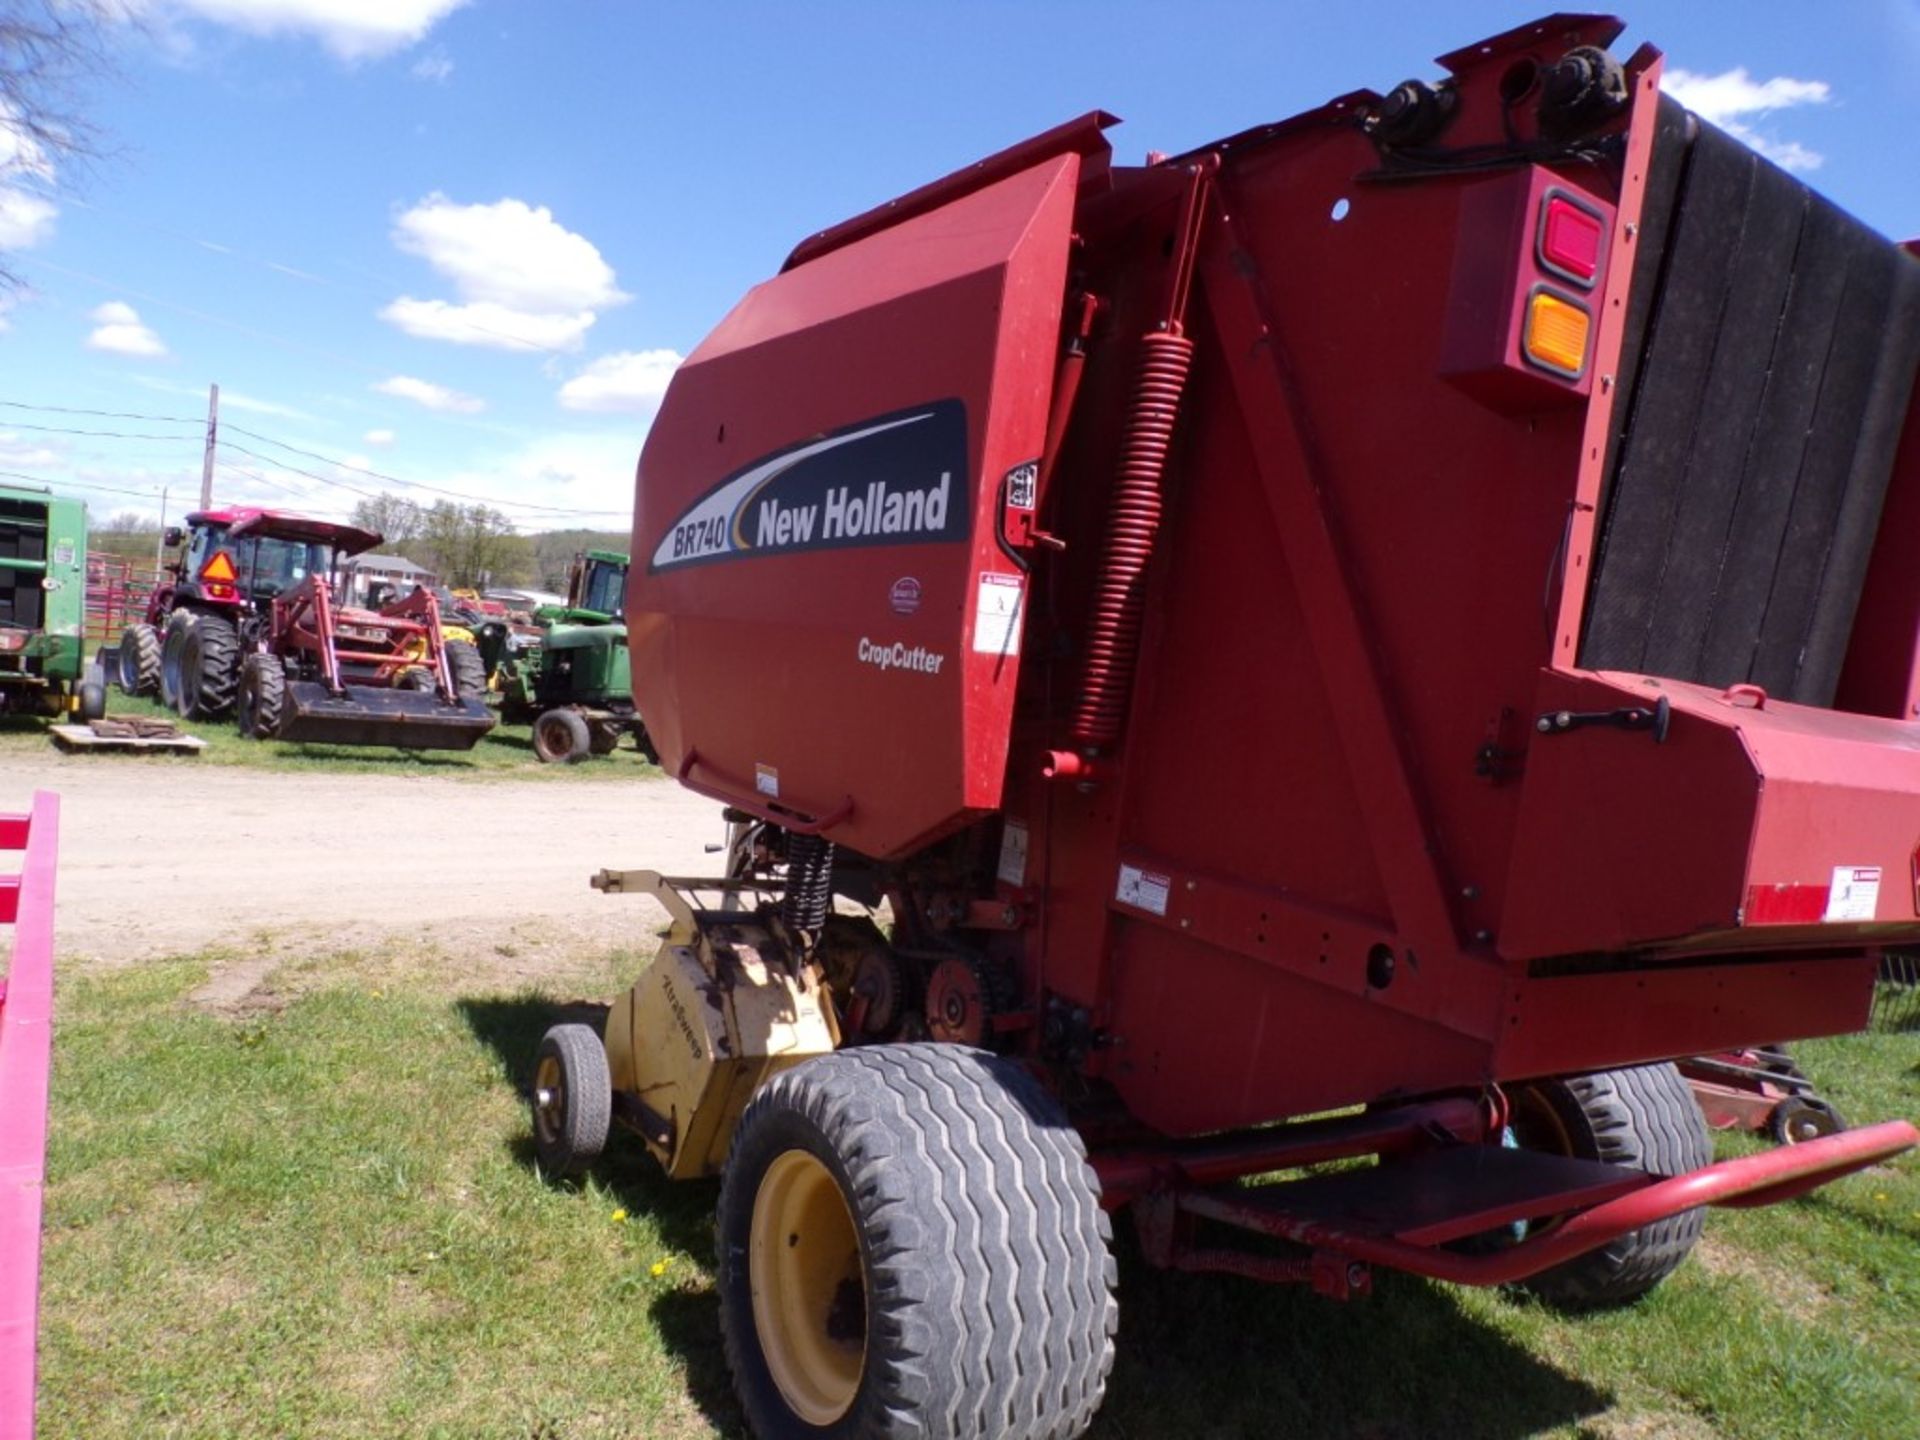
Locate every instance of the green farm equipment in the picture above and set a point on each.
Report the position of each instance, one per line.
(43, 602)
(575, 686)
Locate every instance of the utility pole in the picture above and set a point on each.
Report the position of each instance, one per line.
(160, 545)
(213, 436)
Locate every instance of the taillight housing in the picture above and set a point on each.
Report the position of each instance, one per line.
(1524, 305)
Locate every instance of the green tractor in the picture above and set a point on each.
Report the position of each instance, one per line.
(43, 607)
(575, 685)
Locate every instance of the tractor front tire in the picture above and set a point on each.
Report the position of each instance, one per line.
(469, 670)
(911, 1244)
(560, 737)
(1644, 1117)
(172, 645)
(261, 704)
(603, 736)
(209, 668)
(139, 660)
(572, 1098)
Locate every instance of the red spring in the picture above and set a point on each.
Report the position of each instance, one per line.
(1113, 646)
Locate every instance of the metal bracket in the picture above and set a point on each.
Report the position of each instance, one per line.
(1633, 717)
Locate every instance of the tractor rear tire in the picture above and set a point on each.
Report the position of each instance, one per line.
(469, 670)
(139, 660)
(209, 668)
(1644, 1117)
(572, 1098)
(911, 1244)
(179, 625)
(261, 704)
(560, 737)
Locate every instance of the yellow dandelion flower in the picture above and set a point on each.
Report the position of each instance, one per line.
(659, 1268)
(619, 1217)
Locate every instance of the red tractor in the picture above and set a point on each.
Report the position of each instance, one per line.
(1365, 641)
(250, 622)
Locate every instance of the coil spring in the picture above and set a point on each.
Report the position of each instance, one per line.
(809, 882)
(1113, 644)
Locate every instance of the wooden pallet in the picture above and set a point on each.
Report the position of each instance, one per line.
(84, 737)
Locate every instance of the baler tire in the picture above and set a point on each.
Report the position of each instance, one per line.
(179, 625)
(571, 1098)
(561, 737)
(139, 660)
(261, 704)
(209, 668)
(469, 670)
(1644, 1117)
(968, 1217)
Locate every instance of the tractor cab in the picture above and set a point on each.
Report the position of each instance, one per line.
(244, 557)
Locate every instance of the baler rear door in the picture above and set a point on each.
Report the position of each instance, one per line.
(824, 624)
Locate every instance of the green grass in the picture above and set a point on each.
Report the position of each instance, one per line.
(318, 1215)
(505, 750)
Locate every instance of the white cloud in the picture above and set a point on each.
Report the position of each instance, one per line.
(379, 439)
(485, 323)
(432, 396)
(352, 29)
(1725, 98)
(25, 218)
(119, 332)
(435, 69)
(627, 382)
(523, 279)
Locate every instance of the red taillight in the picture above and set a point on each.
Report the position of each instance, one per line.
(1569, 243)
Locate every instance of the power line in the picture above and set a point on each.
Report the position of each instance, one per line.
(78, 485)
(96, 434)
(105, 414)
(395, 480)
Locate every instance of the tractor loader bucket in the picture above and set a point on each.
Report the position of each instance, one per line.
(373, 715)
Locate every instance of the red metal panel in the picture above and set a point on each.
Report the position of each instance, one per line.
(26, 1038)
(1567, 1024)
(892, 696)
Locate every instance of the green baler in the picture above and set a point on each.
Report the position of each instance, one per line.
(43, 606)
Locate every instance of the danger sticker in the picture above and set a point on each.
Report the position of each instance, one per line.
(1013, 854)
(1143, 890)
(1854, 894)
(766, 780)
(996, 615)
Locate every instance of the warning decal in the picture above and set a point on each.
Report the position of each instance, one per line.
(1143, 890)
(1855, 893)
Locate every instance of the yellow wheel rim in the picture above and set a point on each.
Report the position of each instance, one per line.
(809, 1293)
(549, 1097)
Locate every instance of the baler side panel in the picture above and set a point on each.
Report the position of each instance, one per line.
(894, 661)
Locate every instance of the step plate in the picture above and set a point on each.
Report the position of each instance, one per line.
(1427, 1199)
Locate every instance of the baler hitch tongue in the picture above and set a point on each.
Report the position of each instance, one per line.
(376, 715)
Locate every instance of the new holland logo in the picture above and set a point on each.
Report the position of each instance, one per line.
(899, 479)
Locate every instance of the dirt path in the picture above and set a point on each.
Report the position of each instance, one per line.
(158, 861)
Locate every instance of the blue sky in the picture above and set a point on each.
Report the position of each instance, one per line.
(463, 242)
